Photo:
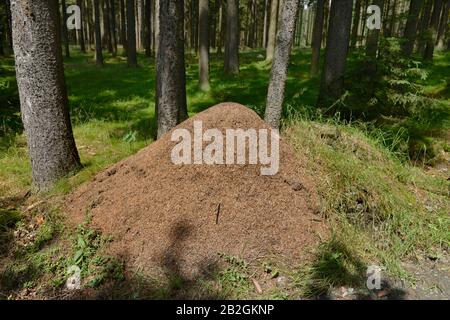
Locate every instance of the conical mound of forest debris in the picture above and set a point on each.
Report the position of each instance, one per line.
(166, 216)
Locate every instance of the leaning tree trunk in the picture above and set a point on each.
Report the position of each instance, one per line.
(42, 90)
(98, 35)
(285, 37)
(432, 31)
(272, 30)
(131, 34)
(411, 27)
(332, 84)
(317, 38)
(232, 38)
(171, 72)
(204, 45)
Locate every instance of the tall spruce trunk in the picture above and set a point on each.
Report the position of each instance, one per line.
(332, 84)
(317, 37)
(64, 29)
(204, 45)
(356, 20)
(410, 33)
(131, 34)
(81, 31)
(113, 26)
(373, 37)
(272, 30)
(98, 35)
(123, 27)
(171, 105)
(285, 37)
(42, 90)
(232, 38)
(424, 24)
(432, 30)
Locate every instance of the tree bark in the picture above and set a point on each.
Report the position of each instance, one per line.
(64, 29)
(272, 30)
(98, 35)
(123, 29)
(411, 27)
(131, 34)
(433, 29)
(373, 36)
(424, 24)
(317, 38)
(356, 20)
(81, 31)
(171, 102)
(107, 19)
(285, 37)
(332, 84)
(443, 25)
(42, 90)
(232, 38)
(113, 26)
(204, 45)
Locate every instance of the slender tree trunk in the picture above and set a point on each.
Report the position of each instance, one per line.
(424, 24)
(221, 29)
(432, 31)
(411, 27)
(98, 35)
(147, 28)
(232, 38)
(81, 31)
(157, 26)
(171, 73)
(42, 90)
(285, 37)
(332, 84)
(356, 20)
(123, 30)
(443, 25)
(272, 30)
(373, 36)
(204, 45)
(64, 29)
(113, 26)
(317, 38)
(131, 36)
(107, 20)
(266, 23)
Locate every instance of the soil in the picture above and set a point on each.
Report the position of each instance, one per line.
(178, 218)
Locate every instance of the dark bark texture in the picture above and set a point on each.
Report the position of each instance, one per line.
(232, 38)
(42, 90)
(411, 26)
(332, 84)
(171, 71)
(285, 37)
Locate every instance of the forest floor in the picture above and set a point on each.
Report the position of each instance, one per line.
(382, 209)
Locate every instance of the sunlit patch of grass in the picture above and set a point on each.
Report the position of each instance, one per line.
(381, 210)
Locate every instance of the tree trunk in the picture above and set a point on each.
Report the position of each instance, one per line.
(317, 38)
(113, 26)
(221, 29)
(147, 27)
(285, 37)
(107, 23)
(81, 31)
(123, 29)
(157, 26)
(373, 37)
(64, 29)
(432, 31)
(354, 37)
(272, 30)
(98, 35)
(424, 24)
(266, 23)
(171, 102)
(131, 34)
(411, 27)
(443, 25)
(204, 45)
(42, 90)
(232, 38)
(332, 84)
